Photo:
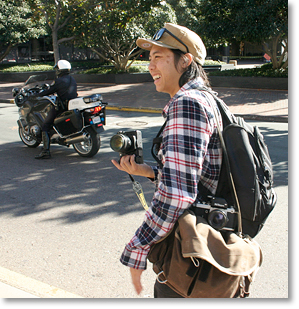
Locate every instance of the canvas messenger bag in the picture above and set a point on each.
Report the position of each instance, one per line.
(197, 261)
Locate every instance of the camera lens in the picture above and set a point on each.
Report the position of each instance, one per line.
(120, 143)
(217, 219)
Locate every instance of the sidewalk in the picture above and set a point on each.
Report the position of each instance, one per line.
(7, 291)
(256, 104)
(15, 285)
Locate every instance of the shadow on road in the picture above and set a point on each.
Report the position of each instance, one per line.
(89, 187)
(85, 187)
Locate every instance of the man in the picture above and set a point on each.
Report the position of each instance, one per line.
(66, 88)
(190, 151)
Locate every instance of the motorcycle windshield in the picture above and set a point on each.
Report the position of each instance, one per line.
(35, 80)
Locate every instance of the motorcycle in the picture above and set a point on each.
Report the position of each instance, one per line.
(80, 125)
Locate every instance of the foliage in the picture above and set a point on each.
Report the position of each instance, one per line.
(153, 20)
(255, 21)
(113, 70)
(265, 70)
(26, 68)
(186, 13)
(61, 17)
(112, 28)
(17, 25)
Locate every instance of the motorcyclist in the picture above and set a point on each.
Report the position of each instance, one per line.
(65, 87)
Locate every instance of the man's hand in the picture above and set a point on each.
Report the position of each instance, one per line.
(136, 279)
(128, 164)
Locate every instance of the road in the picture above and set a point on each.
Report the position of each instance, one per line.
(65, 221)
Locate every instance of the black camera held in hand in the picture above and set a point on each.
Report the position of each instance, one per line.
(128, 143)
(217, 213)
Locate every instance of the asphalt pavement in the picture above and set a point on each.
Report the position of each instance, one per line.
(255, 104)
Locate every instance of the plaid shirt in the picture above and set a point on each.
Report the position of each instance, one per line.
(190, 152)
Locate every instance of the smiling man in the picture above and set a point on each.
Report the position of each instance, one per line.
(190, 152)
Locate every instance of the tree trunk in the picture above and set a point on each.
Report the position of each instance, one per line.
(2, 56)
(55, 45)
(272, 48)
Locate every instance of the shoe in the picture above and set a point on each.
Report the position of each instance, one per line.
(45, 154)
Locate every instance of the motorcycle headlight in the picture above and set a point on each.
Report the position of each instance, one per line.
(15, 91)
(20, 98)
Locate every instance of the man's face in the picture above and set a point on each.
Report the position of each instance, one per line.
(163, 70)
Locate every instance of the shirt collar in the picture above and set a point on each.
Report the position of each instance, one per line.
(192, 84)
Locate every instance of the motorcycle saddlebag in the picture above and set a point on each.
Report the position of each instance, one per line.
(69, 122)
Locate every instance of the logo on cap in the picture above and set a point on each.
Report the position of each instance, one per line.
(146, 45)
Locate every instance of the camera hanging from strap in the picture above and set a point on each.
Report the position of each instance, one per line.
(157, 141)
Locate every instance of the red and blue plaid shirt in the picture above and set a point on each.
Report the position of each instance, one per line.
(191, 153)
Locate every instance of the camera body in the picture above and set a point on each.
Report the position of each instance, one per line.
(217, 213)
(128, 143)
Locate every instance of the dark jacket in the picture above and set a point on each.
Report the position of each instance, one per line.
(65, 87)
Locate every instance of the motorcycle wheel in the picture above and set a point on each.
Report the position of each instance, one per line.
(27, 139)
(89, 147)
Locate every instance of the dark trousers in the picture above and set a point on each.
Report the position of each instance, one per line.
(163, 291)
(49, 119)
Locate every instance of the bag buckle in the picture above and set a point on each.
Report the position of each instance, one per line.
(158, 279)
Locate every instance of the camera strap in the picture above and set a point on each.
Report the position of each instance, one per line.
(137, 188)
(157, 141)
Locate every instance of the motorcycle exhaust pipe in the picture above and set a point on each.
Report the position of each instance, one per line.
(76, 139)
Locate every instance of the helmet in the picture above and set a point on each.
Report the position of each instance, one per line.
(62, 67)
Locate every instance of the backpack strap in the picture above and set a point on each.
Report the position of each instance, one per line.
(225, 156)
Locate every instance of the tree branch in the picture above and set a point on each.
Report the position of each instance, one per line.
(64, 23)
(99, 54)
(65, 39)
(58, 9)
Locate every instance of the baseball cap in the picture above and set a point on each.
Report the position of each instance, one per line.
(176, 37)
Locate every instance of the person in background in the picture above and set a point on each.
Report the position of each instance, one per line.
(66, 88)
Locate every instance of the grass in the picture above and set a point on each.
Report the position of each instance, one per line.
(7, 68)
(265, 70)
(96, 67)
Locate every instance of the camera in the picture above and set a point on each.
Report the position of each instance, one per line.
(217, 214)
(128, 143)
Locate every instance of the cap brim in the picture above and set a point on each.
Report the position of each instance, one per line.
(147, 44)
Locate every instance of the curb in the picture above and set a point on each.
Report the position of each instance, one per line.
(11, 101)
(159, 110)
(134, 109)
(32, 286)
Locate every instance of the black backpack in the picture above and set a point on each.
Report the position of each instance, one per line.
(246, 170)
(246, 175)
